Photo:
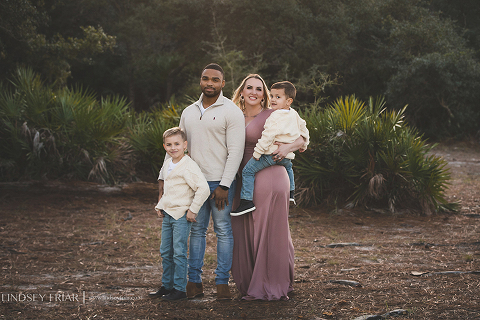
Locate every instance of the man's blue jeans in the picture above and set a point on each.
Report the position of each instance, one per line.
(173, 250)
(223, 229)
(253, 166)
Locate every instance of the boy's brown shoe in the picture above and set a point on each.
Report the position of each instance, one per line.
(223, 292)
(194, 290)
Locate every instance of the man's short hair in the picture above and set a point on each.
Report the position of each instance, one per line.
(174, 131)
(215, 66)
(289, 88)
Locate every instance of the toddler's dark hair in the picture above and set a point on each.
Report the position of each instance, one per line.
(289, 88)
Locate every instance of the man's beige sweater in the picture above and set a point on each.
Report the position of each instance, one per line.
(281, 126)
(216, 139)
(184, 188)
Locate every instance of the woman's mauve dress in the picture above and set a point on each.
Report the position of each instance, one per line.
(263, 256)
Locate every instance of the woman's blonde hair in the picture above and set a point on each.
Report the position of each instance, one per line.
(237, 99)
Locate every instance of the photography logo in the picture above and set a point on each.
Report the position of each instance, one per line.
(44, 297)
(61, 297)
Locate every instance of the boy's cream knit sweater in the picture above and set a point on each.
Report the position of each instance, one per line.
(184, 188)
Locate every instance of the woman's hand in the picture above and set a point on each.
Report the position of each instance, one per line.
(286, 148)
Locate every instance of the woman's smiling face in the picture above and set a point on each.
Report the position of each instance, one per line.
(253, 92)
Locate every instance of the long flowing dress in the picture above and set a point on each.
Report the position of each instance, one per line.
(263, 254)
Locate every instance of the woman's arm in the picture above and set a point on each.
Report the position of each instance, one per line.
(285, 148)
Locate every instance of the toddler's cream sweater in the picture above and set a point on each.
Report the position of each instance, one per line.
(281, 126)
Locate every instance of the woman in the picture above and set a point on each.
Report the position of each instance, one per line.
(263, 256)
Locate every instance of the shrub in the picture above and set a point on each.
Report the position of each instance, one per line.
(365, 155)
(69, 133)
(145, 134)
(63, 133)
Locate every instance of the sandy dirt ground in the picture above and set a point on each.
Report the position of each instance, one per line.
(77, 250)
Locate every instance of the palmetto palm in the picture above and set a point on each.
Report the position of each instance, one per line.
(366, 155)
(146, 133)
(56, 133)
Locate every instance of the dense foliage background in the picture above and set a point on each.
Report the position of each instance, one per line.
(88, 86)
(424, 53)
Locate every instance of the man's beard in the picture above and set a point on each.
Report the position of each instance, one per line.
(212, 93)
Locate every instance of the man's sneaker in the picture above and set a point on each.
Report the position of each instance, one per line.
(160, 293)
(292, 197)
(244, 207)
(175, 295)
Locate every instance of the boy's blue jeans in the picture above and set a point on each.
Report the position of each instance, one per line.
(253, 166)
(173, 250)
(223, 229)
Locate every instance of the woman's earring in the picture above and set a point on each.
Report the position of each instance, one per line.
(241, 97)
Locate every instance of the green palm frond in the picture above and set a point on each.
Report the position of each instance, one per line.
(36, 94)
(146, 135)
(348, 112)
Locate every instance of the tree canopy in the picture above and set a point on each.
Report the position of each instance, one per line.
(424, 53)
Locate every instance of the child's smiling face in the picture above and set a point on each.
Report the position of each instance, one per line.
(175, 147)
(279, 100)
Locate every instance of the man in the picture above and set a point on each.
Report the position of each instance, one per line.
(215, 129)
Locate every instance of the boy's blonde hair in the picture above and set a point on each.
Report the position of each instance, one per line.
(288, 87)
(174, 131)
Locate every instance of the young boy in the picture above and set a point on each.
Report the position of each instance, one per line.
(283, 125)
(184, 191)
